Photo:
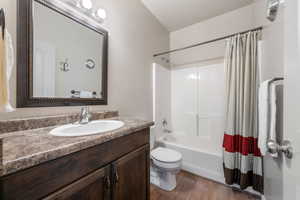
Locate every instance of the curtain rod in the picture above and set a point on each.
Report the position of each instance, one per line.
(207, 42)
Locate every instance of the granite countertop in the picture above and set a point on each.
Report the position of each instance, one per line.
(24, 149)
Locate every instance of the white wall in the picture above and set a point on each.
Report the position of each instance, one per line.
(291, 175)
(220, 26)
(239, 20)
(134, 36)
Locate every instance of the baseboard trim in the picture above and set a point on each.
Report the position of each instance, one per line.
(202, 172)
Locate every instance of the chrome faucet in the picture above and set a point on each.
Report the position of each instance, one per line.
(85, 115)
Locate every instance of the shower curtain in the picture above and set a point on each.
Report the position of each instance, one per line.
(242, 160)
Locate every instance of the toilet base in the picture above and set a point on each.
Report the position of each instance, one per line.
(163, 179)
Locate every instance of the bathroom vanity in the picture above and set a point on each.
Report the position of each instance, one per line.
(111, 165)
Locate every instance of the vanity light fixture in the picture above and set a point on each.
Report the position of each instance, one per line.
(86, 7)
(100, 13)
(85, 4)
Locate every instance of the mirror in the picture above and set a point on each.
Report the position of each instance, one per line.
(67, 57)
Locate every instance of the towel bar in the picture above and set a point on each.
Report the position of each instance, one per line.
(273, 147)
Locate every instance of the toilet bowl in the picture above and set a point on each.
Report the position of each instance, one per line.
(165, 164)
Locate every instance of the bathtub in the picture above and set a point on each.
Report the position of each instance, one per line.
(205, 161)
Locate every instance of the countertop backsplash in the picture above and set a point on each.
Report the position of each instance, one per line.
(22, 124)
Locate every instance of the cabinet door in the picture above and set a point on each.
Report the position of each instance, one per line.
(95, 186)
(131, 176)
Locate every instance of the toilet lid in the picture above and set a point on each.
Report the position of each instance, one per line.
(166, 155)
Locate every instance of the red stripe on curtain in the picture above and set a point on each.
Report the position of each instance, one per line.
(243, 145)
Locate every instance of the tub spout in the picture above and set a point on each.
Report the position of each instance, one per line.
(167, 131)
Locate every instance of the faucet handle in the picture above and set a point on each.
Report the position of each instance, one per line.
(85, 110)
(88, 113)
(84, 115)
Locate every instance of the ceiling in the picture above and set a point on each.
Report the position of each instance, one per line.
(177, 14)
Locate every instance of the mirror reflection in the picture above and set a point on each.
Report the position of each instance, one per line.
(67, 56)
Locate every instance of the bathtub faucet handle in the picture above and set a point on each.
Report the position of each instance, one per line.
(164, 123)
(167, 131)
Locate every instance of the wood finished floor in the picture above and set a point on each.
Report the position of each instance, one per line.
(192, 187)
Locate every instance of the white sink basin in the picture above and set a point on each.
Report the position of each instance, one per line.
(94, 127)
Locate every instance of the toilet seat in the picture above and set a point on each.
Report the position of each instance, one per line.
(166, 158)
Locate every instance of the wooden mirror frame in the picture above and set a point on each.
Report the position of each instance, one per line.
(25, 59)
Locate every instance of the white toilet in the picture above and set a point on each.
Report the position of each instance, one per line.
(165, 164)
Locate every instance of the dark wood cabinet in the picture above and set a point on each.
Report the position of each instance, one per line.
(95, 186)
(131, 175)
(115, 170)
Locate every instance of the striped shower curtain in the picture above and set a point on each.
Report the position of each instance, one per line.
(242, 160)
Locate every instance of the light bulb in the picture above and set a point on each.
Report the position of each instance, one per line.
(86, 4)
(101, 13)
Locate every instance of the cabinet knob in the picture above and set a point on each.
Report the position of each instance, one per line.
(115, 174)
(116, 177)
(107, 182)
